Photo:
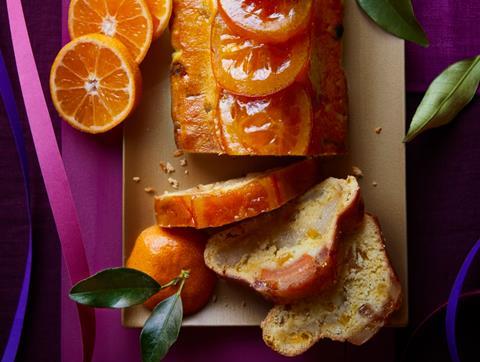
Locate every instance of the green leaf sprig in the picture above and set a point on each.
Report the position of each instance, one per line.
(125, 287)
(168, 314)
(446, 96)
(395, 17)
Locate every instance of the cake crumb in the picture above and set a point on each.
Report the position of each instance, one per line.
(186, 172)
(378, 130)
(136, 179)
(214, 298)
(167, 167)
(226, 305)
(174, 183)
(178, 153)
(357, 172)
(183, 162)
(374, 184)
(244, 304)
(149, 190)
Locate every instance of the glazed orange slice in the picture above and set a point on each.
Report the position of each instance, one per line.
(129, 21)
(95, 83)
(246, 67)
(266, 20)
(161, 11)
(279, 124)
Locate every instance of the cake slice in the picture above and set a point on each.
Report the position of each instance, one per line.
(365, 295)
(226, 202)
(289, 253)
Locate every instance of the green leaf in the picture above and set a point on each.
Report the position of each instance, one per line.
(395, 17)
(448, 94)
(161, 329)
(115, 288)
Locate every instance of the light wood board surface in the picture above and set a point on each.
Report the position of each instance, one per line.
(374, 63)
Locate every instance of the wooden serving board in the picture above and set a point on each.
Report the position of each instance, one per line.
(374, 63)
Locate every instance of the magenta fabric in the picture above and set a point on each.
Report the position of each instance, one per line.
(443, 169)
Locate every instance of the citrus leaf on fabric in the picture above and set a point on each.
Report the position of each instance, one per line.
(446, 96)
(395, 17)
(115, 288)
(161, 329)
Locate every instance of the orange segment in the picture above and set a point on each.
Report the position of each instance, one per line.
(94, 83)
(279, 124)
(266, 20)
(127, 20)
(247, 67)
(161, 11)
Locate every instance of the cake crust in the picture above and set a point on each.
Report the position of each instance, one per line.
(234, 200)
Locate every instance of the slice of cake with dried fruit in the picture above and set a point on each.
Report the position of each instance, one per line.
(290, 253)
(229, 201)
(366, 294)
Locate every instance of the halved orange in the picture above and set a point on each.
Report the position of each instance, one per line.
(95, 83)
(161, 11)
(129, 21)
(246, 67)
(279, 124)
(266, 20)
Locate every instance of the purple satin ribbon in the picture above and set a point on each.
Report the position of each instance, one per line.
(453, 302)
(6, 91)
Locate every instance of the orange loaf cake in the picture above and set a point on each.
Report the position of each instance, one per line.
(253, 77)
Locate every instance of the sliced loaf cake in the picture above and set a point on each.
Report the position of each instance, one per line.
(354, 309)
(289, 253)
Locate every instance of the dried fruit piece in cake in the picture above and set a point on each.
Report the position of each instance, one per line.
(366, 294)
(226, 202)
(289, 253)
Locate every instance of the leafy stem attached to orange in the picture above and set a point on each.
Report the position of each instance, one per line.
(126, 287)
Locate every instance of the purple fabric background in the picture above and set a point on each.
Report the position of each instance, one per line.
(443, 171)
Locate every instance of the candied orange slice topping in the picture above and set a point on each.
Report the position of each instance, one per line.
(129, 21)
(274, 125)
(95, 83)
(267, 20)
(246, 67)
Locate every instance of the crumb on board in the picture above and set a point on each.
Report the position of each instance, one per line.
(374, 184)
(226, 305)
(378, 130)
(136, 179)
(357, 172)
(214, 298)
(174, 183)
(186, 172)
(178, 153)
(183, 162)
(167, 167)
(149, 190)
(244, 304)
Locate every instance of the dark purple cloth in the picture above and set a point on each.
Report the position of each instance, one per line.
(443, 174)
(40, 341)
(453, 28)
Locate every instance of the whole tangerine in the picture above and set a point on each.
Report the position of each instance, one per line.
(163, 253)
